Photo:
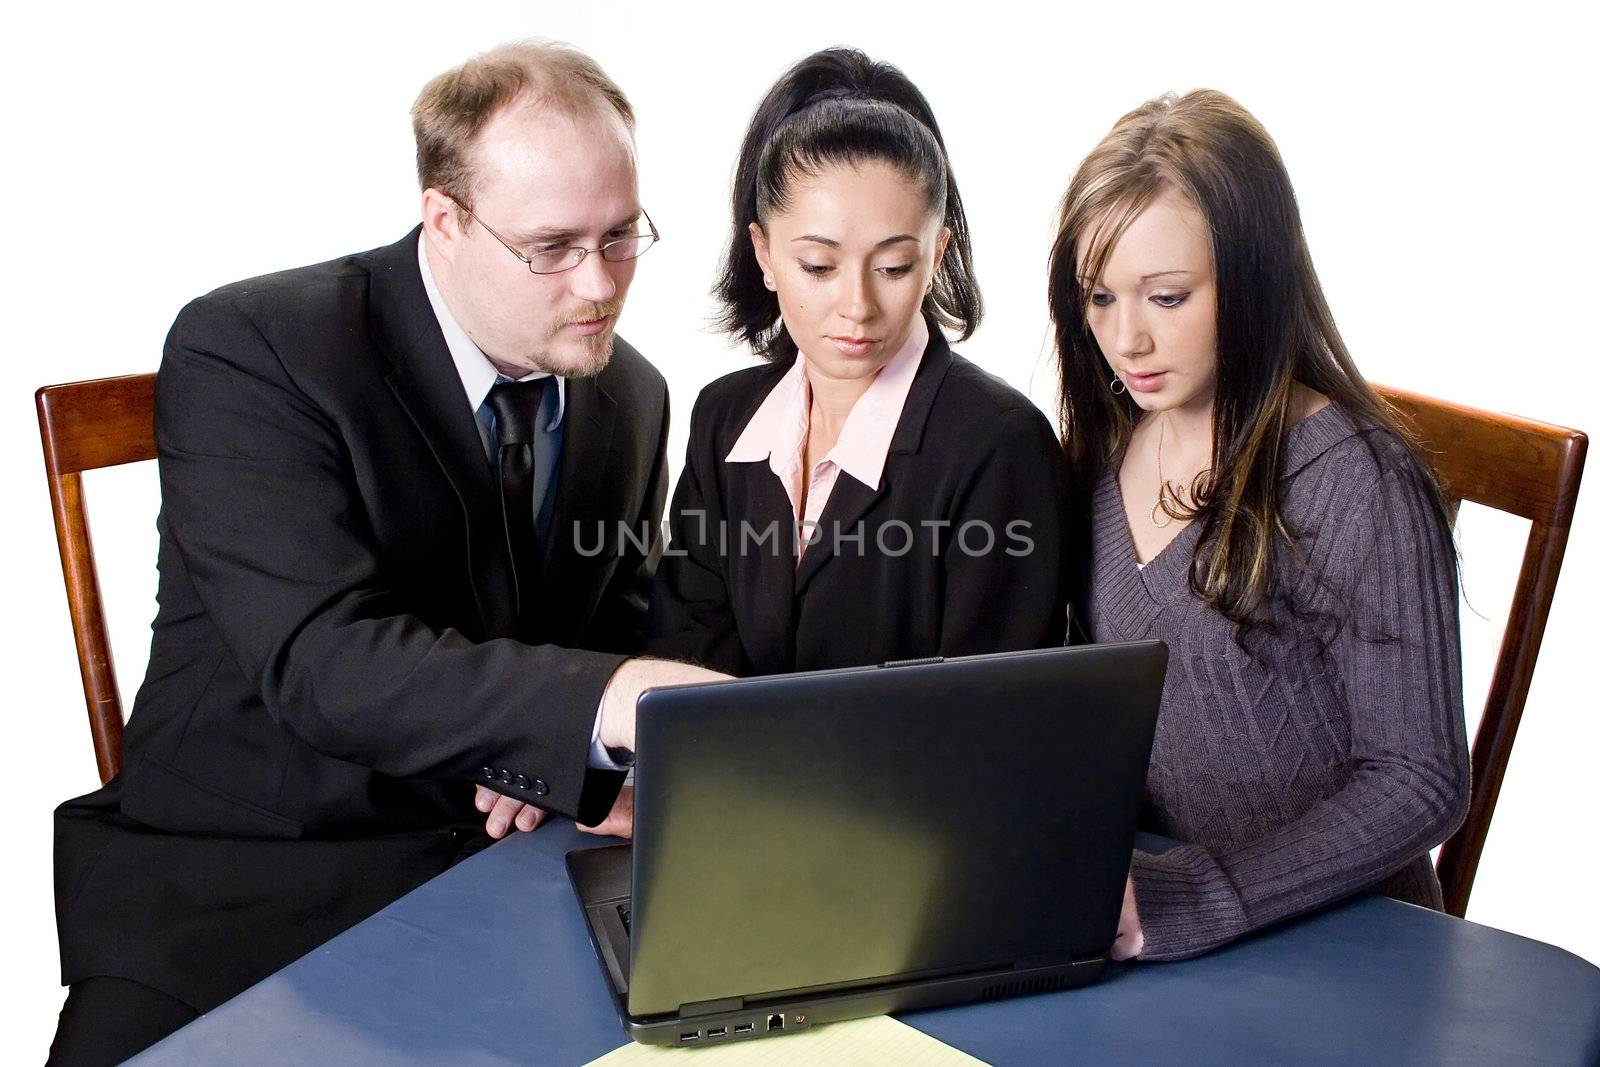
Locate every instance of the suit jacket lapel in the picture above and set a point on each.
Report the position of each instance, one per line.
(850, 499)
(764, 573)
(846, 505)
(425, 382)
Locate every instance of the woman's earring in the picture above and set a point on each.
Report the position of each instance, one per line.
(769, 282)
(1118, 386)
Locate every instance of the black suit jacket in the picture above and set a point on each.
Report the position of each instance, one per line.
(337, 656)
(900, 572)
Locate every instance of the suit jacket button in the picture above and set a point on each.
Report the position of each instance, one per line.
(539, 787)
(522, 781)
(504, 776)
(486, 773)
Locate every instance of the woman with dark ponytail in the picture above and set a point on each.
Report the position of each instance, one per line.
(865, 495)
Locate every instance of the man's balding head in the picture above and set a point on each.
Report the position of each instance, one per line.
(455, 106)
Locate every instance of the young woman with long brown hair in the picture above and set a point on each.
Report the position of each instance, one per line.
(1256, 506)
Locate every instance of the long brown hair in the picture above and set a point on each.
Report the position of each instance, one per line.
(1273, 329)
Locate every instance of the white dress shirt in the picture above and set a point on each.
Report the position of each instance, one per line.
(478, 376)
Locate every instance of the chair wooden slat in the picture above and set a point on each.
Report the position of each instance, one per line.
(85, 426)
(104, 423)
(1504, 462)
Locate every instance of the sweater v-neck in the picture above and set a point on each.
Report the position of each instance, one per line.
(1129, 596)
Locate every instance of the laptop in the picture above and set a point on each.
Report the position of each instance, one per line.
(828, 845)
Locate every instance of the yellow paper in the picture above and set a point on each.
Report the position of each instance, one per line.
(876, 1042)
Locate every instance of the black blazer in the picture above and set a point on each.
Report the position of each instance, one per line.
(337, 657)
(886, 580)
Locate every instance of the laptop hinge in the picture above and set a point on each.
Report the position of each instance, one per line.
(710, 1007)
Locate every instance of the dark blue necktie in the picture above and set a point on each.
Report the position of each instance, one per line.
(516, 415)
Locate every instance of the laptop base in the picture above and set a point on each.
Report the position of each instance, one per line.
(602, 880)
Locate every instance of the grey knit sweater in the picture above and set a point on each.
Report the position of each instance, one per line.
(1336, 762)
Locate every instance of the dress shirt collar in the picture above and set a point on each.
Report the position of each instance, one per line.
(777, 432)
(478, 375)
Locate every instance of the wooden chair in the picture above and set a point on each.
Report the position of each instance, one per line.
(84, 426)
(1526, 468)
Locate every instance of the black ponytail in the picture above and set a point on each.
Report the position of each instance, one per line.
(839, 107)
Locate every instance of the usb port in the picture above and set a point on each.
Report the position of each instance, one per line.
(692, 1035)
(745, 1028)
(717, 1031)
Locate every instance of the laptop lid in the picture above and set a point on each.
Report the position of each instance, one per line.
(832, 829)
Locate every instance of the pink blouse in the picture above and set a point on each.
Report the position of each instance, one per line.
(777, 433)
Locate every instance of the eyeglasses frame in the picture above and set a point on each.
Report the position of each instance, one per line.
(655, 238)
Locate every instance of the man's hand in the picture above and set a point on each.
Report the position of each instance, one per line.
(619, 823)
(1130, 935)
(633, 678)
(505, 812)
(616, 731)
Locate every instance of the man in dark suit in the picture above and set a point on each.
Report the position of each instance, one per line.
(383, 479)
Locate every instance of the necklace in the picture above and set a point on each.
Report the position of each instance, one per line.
(1168, 500)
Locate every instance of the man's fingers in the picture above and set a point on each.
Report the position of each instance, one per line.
(505, 812)
(610, 826)
(499, 821)
(619, 821)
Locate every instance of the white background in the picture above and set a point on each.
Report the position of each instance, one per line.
(1442, 159)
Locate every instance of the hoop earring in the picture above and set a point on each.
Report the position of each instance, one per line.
(1118, 386)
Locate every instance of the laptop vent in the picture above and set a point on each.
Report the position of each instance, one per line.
(1017, 989)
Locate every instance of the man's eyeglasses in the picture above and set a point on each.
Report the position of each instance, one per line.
(564, 257)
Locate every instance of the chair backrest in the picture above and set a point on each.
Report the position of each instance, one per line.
(86, 425)
(1526, 468)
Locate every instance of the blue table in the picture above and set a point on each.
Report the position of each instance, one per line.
(489, 964)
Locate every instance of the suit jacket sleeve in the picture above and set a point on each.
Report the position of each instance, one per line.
(1009, 593)
(261, 500)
